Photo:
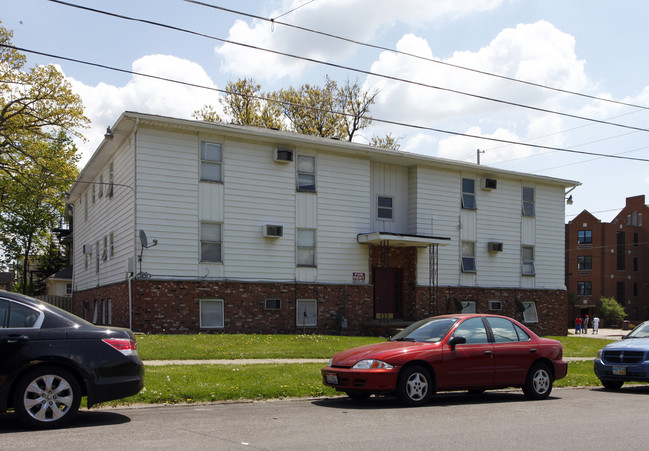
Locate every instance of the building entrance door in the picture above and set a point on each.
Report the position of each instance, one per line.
(388, 292)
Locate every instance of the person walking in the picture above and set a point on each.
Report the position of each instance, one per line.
(584, 325)
(595, 325)
(578, 325)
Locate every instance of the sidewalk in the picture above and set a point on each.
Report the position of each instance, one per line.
(610, 334)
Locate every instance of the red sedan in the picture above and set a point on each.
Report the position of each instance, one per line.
(452, 352)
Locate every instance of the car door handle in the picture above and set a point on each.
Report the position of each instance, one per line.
(533, 350)
(488, 352)
(14, 339)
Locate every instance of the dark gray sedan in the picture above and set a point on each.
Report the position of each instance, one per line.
(50, 359)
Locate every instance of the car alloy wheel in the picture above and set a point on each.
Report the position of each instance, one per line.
(414, 386)
(47, 397)
(539, 382)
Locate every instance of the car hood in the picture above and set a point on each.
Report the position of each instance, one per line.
(630, 343)
(391, 351)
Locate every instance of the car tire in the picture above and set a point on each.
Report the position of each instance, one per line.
(47, 397)
(612, 385)
(358, 396)
(414, 386)
(538, 384)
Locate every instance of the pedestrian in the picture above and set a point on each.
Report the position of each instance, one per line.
(584, 325)
(578, 325)
(595, 325)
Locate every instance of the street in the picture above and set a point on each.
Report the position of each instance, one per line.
(571, 419)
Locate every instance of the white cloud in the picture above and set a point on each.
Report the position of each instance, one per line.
(105, 103)
(353, 19)
(465, 148)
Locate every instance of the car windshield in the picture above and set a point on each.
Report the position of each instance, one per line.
(429, 330)
(642, 331)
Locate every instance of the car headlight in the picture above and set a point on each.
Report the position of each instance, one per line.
(599, 354)
(372, 364)
(331, 362)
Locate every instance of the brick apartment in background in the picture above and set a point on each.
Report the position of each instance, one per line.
(609, 260)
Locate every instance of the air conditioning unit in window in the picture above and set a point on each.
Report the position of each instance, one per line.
(282, 155)
(87, 248)
(273, 231)
(494, 246)
(488, 184)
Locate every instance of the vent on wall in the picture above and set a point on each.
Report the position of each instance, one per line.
(273, 231)
(489, 184)
(282, 155)
(494, 246)
(272, 304)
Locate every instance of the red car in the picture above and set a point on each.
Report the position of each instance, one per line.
(452, 352)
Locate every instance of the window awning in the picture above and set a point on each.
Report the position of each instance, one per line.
(402, 240)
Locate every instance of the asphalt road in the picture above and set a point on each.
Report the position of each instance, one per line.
(572, 419)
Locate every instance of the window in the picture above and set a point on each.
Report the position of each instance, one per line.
(468, 256)
(468, 194)
(621, 251)
(528, 260)
(584, 237)
(635, 239)
(635, 288)
(306, 246)
(111, 179)
(503, 330)
(584, 262)
(384, 210)
(104, 254)
(635, 264)
(473, 330)
(211, 160)
(68, 289)
(495, 305)
(112, 244)
(85, 208)
(528, 201)
(529, 314)
(305, 173)
(15, 315)
(584, 288)
(93, 193)
(97, 258)
(211, 313)
(621, 292)
(211, 242)
(307, 313)
(101, 185)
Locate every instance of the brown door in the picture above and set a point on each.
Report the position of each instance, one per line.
(387, 293)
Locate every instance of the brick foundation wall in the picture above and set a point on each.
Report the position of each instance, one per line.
(173, 306)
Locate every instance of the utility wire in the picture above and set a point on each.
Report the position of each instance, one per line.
(352, 69)
(412, 55)
(374, 119)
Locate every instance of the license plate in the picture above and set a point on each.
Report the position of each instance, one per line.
(619, 370)
(332, 379)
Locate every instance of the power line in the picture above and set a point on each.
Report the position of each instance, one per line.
(374, 119)
(412, 55)
(352, 69)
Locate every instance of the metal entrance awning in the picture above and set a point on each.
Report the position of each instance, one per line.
(401, 240)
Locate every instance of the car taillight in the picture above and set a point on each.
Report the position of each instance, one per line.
(124, 345)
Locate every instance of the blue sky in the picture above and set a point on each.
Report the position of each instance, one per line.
(591, 47)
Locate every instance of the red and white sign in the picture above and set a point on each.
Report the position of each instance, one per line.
(359, 277)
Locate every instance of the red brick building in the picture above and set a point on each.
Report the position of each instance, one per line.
(609, 260)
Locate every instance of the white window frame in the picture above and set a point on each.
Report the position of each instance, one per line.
(530, 316)
(68, 288)
(306, 248)
(219, 306)
(468, 194)
(210, 161)
(468, 255)
(211, 242)
(384, 208)
(529, 205)
(306, 312)
(304, 173)
(527, 261)
(111, 180)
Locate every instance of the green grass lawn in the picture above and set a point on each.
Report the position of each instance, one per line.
(205, 383)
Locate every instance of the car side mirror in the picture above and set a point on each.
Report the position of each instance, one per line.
(456, 341)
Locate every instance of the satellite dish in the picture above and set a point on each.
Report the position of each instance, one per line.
(143, 239)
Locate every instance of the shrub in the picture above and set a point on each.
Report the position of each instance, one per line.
(611, 312)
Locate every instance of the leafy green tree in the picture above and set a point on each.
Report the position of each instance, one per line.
(386, 142)
(33, 201)
(244, 104)
(35, 105)
(611, 311)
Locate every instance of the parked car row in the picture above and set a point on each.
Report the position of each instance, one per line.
(52, 358)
